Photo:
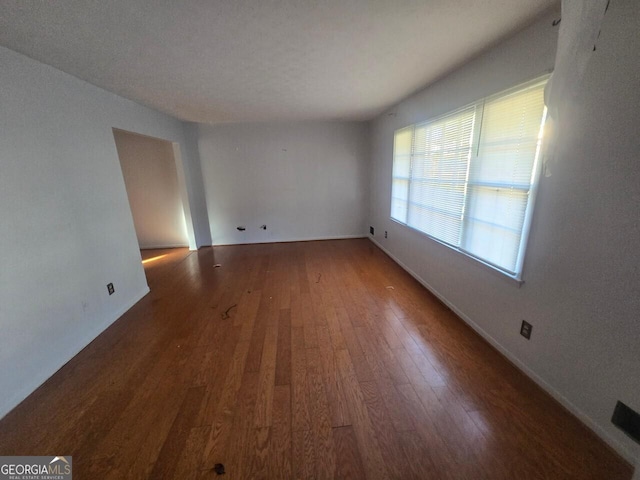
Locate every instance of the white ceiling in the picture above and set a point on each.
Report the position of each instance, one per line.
(254, 60)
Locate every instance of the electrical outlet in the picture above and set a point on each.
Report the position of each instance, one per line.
(110, 288)
(385, 234)
(627, 420)
(371, 230)
(525, 329)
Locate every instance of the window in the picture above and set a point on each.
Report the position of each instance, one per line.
(467, 178)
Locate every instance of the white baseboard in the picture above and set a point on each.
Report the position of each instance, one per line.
(126, 307)
(291, 240)
(29, 387)
(612, 442)
(156, 247)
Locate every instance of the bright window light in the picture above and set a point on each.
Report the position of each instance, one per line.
(468, 178)
(153, 259)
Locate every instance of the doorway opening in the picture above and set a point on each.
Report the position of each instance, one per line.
(154, 180)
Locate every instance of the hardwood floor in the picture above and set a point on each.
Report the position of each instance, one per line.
(302, 360)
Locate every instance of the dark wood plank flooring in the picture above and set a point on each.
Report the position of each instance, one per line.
(301, 360)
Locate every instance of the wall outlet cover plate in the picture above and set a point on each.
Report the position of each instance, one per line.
(525, 329)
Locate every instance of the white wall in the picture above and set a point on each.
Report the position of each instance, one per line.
(66, 225)
(303, 180)
(151, 180)
(582, 268)
(196, 201)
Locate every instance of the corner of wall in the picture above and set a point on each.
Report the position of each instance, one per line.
(195, 186)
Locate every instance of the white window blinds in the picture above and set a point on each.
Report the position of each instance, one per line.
(401, 173)
(439, 165)
(466, 178)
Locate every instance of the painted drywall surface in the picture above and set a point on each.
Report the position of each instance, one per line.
(197, 201)
(66, 228)
(303, 180)
(151, 180)
(581, 269)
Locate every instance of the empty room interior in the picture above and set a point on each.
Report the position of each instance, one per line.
(321, 239)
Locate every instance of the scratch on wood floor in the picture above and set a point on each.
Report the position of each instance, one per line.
(224, 315)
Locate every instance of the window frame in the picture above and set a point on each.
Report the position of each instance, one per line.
(536, 174)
